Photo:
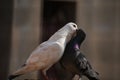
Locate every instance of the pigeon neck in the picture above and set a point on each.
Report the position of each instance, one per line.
(76, 46)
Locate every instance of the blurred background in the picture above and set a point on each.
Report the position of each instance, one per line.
(24, 24)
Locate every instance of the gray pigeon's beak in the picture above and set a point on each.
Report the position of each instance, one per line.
(80, 31)
(76, 32)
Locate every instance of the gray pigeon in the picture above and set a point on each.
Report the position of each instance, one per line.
(47, 53)
(74, 61)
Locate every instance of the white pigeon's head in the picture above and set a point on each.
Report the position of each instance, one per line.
(68, 28)
(71, 26)
(71, 29)
(66, 32)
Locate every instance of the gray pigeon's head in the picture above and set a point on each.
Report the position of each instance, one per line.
(80, 36)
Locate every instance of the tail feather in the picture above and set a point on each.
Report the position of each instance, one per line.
(21, 71)
(12, 77)
(92, 75)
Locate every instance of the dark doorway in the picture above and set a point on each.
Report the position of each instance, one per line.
(55, 15)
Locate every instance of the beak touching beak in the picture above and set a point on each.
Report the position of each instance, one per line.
(75, 33)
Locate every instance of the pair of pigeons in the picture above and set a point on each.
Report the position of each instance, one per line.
(63, 46)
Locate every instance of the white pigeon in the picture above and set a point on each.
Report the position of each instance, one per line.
(48, 52)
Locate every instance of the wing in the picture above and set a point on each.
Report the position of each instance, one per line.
(81, 62)
(45, 56)
(85, 68)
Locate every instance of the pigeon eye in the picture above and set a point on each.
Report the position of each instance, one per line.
(74, 25)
